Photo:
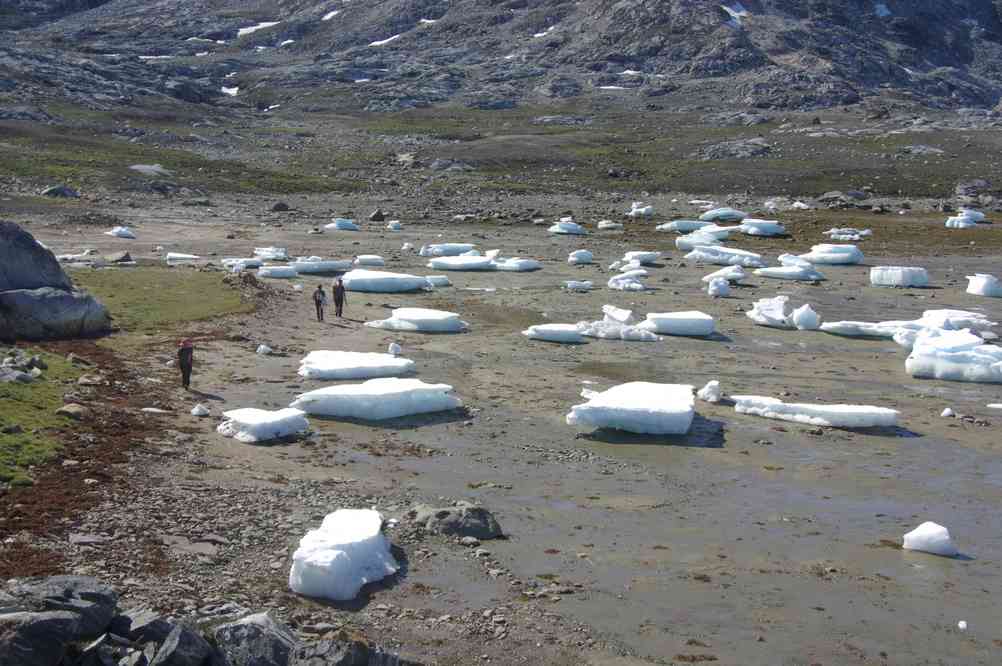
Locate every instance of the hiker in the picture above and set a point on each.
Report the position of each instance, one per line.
(320, 301)
(185, 360)
(339, 293)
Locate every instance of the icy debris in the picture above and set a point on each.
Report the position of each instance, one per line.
(958, 356)
(618, 315)
(314, 265)
(383, 282)
(792, 268)
(948, 413)
(378, 399)
(930, 538)
(394, 225)
(609, 225)
(683, 226)
(640, 209)
(691, 241)
(517, 265)
(331, 14)
(340, 365)
(567, 228)
(263, 350)
(563, 333)
(849, 234)
(580, 257)
(692, 323)
(439, 281)
(461, 263)
(829, 254)
(975, 215)
(723, 215)
(407, 247)
(239, 264)
(753, 227)
(180, 257)
(725, 256)
(260, 425)
(961, 222)
(341, 224)
(384, 42)
(898, 276)
(121, 232)
(616, 324)
(642, 258)
(629, 281)
(199, 410)
(772, 312)
(805, 318)
(578, 285)
(718, 287)
(445, 249)
(962, 625)
(729, 273)
(394, 349)
(373, 260)
(982, 284)
(271, 253)
(421, 320)
(254, 28)
(87, 255)
(639, 407)
(836, 416)
(347, 551)
(268, 271)
(711, 392)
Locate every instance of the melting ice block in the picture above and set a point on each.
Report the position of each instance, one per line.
(772, 312)
(421, 320)
(836, 416)
(961, 222)
(711, 392)
(439, 280)
(260, 425)
(640, 407)
(725, 256)
(691, 241)
(580, 257)
(958, 356)
(930, 538)
(753, 227)
(378, 399)
(517, 265)
(347, 551)
(640, 209)
(723, 215)
(793, 268)
(982, 284)
(246, 262)
(271, 253)
(277, 272)
(563, 333)
(805, 318)
(341, 224)
(121, 232)
(850, 234)
(899, 276)
(461, 263)
(578, 285)
(445, 249)
(718, 287)
(729, 273)
(180, 257)
(628, 281)
(369, 260)
(312, 266)
(383, 282)
(642, 257)
(334, 365)
(567, 228)
(833, 254)
(616, 324)
(609, 225)
(683, 226)
(690, 323)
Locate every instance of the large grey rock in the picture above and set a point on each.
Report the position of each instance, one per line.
(462, 520)
(37, 639)
(256, 640)
(183, 647)
(38, 314)
(90, 600)
(24, 264)
(144, 626)
(347, 653)
(61, 192)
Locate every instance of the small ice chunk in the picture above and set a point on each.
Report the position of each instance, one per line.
(578, 285)
(618, 315)
(725, 256)
(394, 225)
(729, 273)
(639, 407)
(373, 260)
(394, 349)
(772, 312)
(260, 425)
(724, 214)
(982, 284)
(421, 320)
(640, 209)
(791, 270)
(562, 333)
(580, 257)
(836, 416)
(711, 392)
(930, 538)
(962, 625)
(849, 234)
(609, 225)
(269, 271)
(199, 410)
(718, 287)
(346, 552)
(263, 350)
(898, 276)
(341, 365)
(683, 226)
(383, 282)
(753, 227)
(445, 249)
(629, 281)
(691, 323)
(975, 215)
(691, 241)
(180, 257)
(517, 265)
(244, 263)
(948, 413)
(805, 318)
(439, 281)
(341, 224)
(378, 399)
(313, 266)
(271, 253)
(567, 228)
(121, 232)
(961, 222)
(829, 254)
(462, 263)
(642, 258)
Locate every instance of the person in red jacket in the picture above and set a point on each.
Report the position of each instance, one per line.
(186, 360)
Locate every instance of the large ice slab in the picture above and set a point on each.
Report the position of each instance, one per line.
(445, 249)
(725, 256)
(729, 273)
(983, 284)
(563, 333)
(461, 263)
(378, 399)
(692, 323)
(899, 276)
(724, 214)
(337, 365)
(567, 228)
(690, 242)
(930, 537)
(421, 320)
(639, 407)
(827, 253)
(271, 253)
(260, 425)
(312, 266)
(347, 551)
(578, 257)
(121, 232)
(755, 227)
(383, 282)
(683, 226)
(277, 272)
(837, 416)
(958, 356)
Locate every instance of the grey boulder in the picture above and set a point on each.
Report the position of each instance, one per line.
(256, 640)
(461, 520)
(38, 314)
(183, 647)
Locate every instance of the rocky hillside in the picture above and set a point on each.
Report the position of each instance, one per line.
(393, 54)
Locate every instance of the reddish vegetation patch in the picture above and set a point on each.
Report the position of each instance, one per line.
(19, 559)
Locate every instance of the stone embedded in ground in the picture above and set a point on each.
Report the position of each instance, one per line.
(377, 215)
(92, 602)
(256, 640)
(279, 207)
(183, 647)
(61, 191)
(74, 411)
(464, 520)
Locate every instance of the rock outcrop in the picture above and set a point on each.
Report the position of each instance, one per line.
(37, 298)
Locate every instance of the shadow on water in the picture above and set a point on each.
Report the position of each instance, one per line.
(887, 431)
(369, 590)
(405, 422)
(704, 433)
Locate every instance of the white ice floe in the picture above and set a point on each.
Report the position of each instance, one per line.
(723, 215)
(717, 231)
(373, 260)
(277, 272)
(243, 262)
(829, 254)
(640, 209)
(346, 552)
(641, 257)
(578, 285)
(567, 228)
(961, 222)
(975, 215)
(898, 276)
(383, 282)
(445, 249)
(793, 268)
(772, 312)
(729, 273)
(394, 225)
(639, 407)
(609, 225)
(982, 284)
(378, 399)
(340, 365)
(753, 227)
(562, 333)
(847, 234)
(718, 287)
(315, 265)
(805, 318)
(260, 425)
(930, 538)
(422, 320)
(545, 32)
(384, 42)
(711, 392)
(439, 281)
(725, 256)
(628, 281)
(121, 232)
(271, 253)
(180, 257)
(254, 28)
(683, 226)
(958, 356)
(199, 410)
(341, 224)
(691, 323)
(580, 257)
(263, 350)
(690, 242)
(331, 14)
(836, 416)
(517, 265)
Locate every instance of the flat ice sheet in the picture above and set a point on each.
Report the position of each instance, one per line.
(337, 365)
(421, 320)
(384, 282)
(639, 407)
(378, 399)
(836, 416)
(260, 425)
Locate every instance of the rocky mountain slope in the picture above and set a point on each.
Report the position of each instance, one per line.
(393, 54)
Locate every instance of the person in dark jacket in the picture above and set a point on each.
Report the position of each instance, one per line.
(320, 300)
(186, 360)
(339, 297)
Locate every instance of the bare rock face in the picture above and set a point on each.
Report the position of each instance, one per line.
(37, 298)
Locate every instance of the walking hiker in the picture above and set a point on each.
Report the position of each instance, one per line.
(185, 360)
(339, 293)
(320, 301)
